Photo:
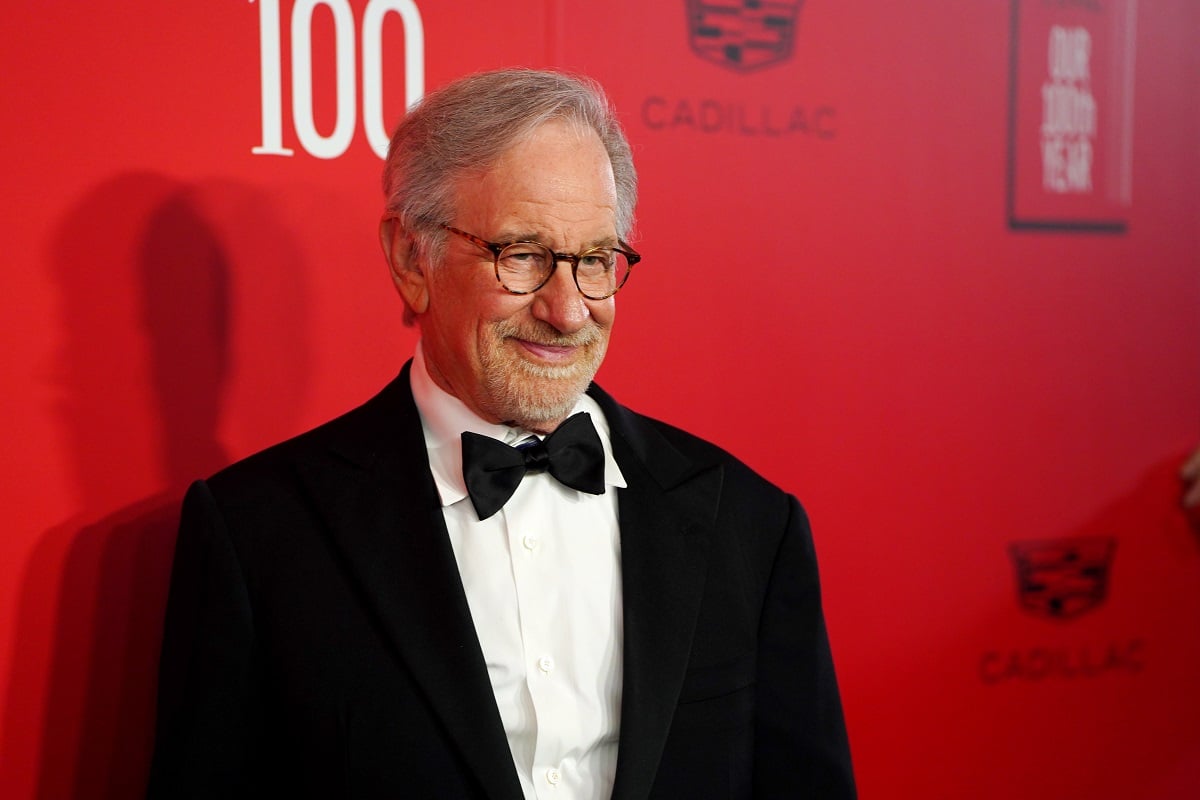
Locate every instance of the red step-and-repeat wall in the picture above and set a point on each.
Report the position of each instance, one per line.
(933, 266)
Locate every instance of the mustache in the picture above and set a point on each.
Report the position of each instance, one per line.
(545, 334)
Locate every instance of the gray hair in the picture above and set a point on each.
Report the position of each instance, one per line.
(468, 125)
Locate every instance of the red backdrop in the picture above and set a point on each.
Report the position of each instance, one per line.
(932, 266)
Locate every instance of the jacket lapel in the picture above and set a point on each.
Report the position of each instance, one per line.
(666, 517)
(387, 523)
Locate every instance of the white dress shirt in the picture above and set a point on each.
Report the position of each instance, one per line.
(543, 581)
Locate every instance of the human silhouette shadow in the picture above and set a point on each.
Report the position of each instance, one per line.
(147, 280)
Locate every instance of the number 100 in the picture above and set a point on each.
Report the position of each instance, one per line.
(338, 141)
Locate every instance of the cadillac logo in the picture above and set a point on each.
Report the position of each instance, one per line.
(743, 35)
(1062, 578)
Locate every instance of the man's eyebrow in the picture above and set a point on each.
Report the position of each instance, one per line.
(505, 237)
(603, 241)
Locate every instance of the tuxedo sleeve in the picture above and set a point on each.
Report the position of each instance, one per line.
(800, 742)
(208, 715)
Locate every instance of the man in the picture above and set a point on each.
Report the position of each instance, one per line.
(365, 611)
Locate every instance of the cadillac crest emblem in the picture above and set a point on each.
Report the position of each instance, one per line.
(1062, 578)
(743, 35)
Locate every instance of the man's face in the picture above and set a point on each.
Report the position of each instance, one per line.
(523, 358)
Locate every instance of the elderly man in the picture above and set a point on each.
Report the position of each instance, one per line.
(492, 580)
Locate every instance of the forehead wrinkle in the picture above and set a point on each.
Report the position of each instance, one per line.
(552, 189)
(553, 231)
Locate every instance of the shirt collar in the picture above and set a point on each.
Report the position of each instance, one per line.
(444, 418)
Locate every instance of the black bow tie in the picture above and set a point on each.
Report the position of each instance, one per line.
(493, 470)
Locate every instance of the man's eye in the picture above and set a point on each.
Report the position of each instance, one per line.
(600, 260)
(520, 258)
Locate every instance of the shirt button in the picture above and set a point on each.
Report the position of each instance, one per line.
(553, 777)
(530, 542)
(546, 664)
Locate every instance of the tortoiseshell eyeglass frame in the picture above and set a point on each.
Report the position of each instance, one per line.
(496, 249)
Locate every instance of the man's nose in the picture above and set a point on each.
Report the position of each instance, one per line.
(559, 302)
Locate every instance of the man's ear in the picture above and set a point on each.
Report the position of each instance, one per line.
(408, 276)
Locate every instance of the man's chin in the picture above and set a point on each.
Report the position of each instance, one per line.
(539, 405)
(535, 393)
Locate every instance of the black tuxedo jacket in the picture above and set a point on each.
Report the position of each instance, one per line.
(318, 641)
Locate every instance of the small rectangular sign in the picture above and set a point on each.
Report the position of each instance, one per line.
(1070, 147)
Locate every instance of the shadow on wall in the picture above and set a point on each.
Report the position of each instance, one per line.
(147, 269)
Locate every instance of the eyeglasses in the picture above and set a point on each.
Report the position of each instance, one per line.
(525, 267)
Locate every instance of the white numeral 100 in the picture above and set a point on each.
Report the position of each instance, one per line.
(338, 141)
